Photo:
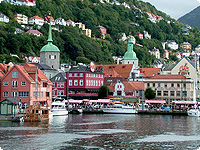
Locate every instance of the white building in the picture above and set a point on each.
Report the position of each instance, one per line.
(4, 18)
(70, 22)
(172, 44)
(60, 21)
(36, 20)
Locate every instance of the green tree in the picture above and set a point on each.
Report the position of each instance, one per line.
(103, 91)
(149, 93)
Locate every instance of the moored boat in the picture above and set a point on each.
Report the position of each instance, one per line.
(120, 109)
(58, 108)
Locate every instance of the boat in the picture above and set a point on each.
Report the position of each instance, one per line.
(120, 109)
(36, 114)
(195, 112)
(58, 108)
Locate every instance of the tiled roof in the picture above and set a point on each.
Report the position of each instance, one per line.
(168, 77)
(36, 17)
(149, 72)
(138, 86)
(34, 32)
(120, 70)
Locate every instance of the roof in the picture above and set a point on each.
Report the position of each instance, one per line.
(137, 86)
(34, 32)
(81, 68)
(12, 100)
(36, 17)
(149, 72)
(169, 76)
(43, 66)
(117, 70)
(60, 77)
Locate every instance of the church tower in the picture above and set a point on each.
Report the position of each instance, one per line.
(130, 56)
(50, 54)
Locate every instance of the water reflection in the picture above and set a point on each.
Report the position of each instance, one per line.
(104, 131)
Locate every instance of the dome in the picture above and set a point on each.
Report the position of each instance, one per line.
(50, 48)
(130, 55)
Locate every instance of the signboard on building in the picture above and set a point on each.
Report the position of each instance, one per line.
(92, 66)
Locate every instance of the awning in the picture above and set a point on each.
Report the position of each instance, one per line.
(184, 102)
(73, 101)
(155, 101)
(130, 100)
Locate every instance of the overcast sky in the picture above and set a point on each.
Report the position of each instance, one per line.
(175, 8)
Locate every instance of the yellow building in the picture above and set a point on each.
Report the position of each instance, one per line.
(186, 46)
(87, 32)
(21, 19)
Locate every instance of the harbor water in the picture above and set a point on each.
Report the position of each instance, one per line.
(103, 131)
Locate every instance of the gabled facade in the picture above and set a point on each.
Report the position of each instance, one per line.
(59, 85)
(50, 19)
(27, 84)
(155, 52)
(36, 20)
(84, 82)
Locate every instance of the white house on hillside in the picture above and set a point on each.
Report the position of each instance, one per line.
(36, 20)
(60, 21)
(4, 18)
(172, 44)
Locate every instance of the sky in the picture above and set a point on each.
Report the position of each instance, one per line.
(175, 8)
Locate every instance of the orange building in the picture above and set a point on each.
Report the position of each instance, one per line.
(27, 84)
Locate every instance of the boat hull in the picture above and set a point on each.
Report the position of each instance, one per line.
(193, 113)
(59, 112)
(119, 111)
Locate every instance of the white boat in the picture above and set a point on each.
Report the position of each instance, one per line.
(120, 109)
(193, 112)
(58, 108)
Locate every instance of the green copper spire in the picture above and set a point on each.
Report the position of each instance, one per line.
(130, 54)
(50, 47)
(50, 34)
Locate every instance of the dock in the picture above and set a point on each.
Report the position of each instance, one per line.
(163, 112)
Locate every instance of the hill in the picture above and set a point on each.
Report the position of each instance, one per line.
(75, 46)
(192, 18)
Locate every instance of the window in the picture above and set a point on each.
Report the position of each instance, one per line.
(5, 83)
(58, 84)
(81, 83)
(178, 93)
(153, 84)
(14, 74)
(62, 84)
(159, 84)
(165, 84)
(60, 92)
(23, 94)
(81, 74)
(148, 84)
(75, 82)
(178, 85)
(184, 93)
(86, 75)
(70, 82)
(41, 94)
(47, 94)
(14, 84)
(165, 93)
(53, 93)
(159, 93)
(96, 83)
(172, 85)
(184, 85)
(70, 75)
(172, 93)
(5, 94)
(14, 94)
(75, 74)
(23, 83)
(86, 82)
(53, 84)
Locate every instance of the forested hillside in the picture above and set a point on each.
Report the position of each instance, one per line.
(75, 46)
